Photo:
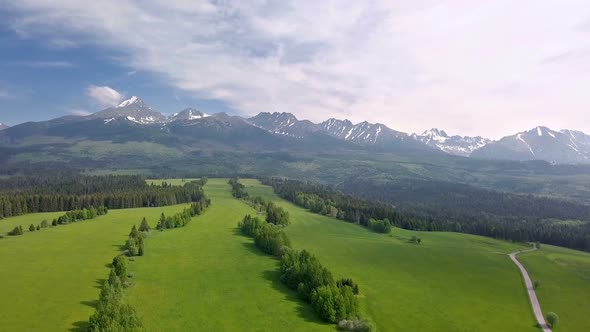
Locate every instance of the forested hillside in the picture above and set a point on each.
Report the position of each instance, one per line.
(523, 218)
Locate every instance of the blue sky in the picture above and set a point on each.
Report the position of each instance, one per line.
(469, 67)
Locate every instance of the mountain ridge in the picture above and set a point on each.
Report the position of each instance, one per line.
(540, 143)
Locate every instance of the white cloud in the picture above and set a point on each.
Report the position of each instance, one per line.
(104, 96)
(80, 112)
(470, 67)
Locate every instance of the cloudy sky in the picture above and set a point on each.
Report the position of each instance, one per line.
(488, 68)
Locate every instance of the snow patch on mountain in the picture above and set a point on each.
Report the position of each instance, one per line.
(457, 145)
(132, 100)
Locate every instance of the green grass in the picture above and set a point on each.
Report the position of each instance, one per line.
(50, 279)
(450, 282)
(208, 277)
(564, 275)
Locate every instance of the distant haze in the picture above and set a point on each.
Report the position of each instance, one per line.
(488, 68)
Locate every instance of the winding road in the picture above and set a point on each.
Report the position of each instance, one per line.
(531, 291)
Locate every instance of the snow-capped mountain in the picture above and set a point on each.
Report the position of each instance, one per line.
(457, 145)
(363, 133)
(540, 143)
(285, 124)
(132, 109)
(3, 126)
(188, 114)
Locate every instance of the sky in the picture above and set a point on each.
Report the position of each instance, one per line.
(489, 68)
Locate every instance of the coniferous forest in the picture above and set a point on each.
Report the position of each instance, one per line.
(528, 218)
(22, 195)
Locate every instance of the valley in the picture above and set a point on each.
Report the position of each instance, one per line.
(209, 276)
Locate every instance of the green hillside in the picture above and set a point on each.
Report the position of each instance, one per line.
(564, 277)
(50, 279)
(207, 277)
(450, 282)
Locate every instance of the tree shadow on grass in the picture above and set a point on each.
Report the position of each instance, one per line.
(304, 310)
(79, 326)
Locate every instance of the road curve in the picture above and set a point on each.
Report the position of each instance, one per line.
(531, 291)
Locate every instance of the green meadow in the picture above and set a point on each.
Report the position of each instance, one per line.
(564, 277)
(208, 277)
(450, 282)
(50, 278)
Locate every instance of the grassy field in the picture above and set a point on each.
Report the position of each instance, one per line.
(208, 277)
(50, 278)
(450, 282)
(564, 275)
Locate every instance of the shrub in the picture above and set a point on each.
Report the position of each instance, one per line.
(350, 283)
(32, 228)
(250, 225)
(380, 226)
(44, 224)
(552, 319)
(334, 304)
(18, 230)
(38, 227)
(355, 325)
(144, 226)
(120, 267)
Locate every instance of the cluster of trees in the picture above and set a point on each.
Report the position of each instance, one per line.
(112, 313)
(267, 237)
(274, 214)
(69, 217)
(528, 224)
(181, 219)
(134, 245)
(333, 301)
(379, 226)
(238, 190)
(14, 204)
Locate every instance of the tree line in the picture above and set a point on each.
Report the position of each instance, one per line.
(274, 214)
(112, 312)
(14, 204)
(69, 217)
(328, 201)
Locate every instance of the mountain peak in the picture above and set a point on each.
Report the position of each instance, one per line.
(132, 100)
(188, 114)
(133, 110)
(435, 133)
(3, 126)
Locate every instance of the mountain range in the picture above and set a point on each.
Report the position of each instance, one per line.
(134, 120)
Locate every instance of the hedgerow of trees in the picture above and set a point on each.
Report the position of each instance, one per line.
(332, 300)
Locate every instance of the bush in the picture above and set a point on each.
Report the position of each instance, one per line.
(18, 230)
(276, 215)
(380, 226)
(44, 224)
(32, 228)
(144, 226)
(120, 267)
(271, 239)
(552, 319)
(350, 283)
(250, 225)
(334, 304)
(355, 325)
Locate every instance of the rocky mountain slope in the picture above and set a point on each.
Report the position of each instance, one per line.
(457, 145)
